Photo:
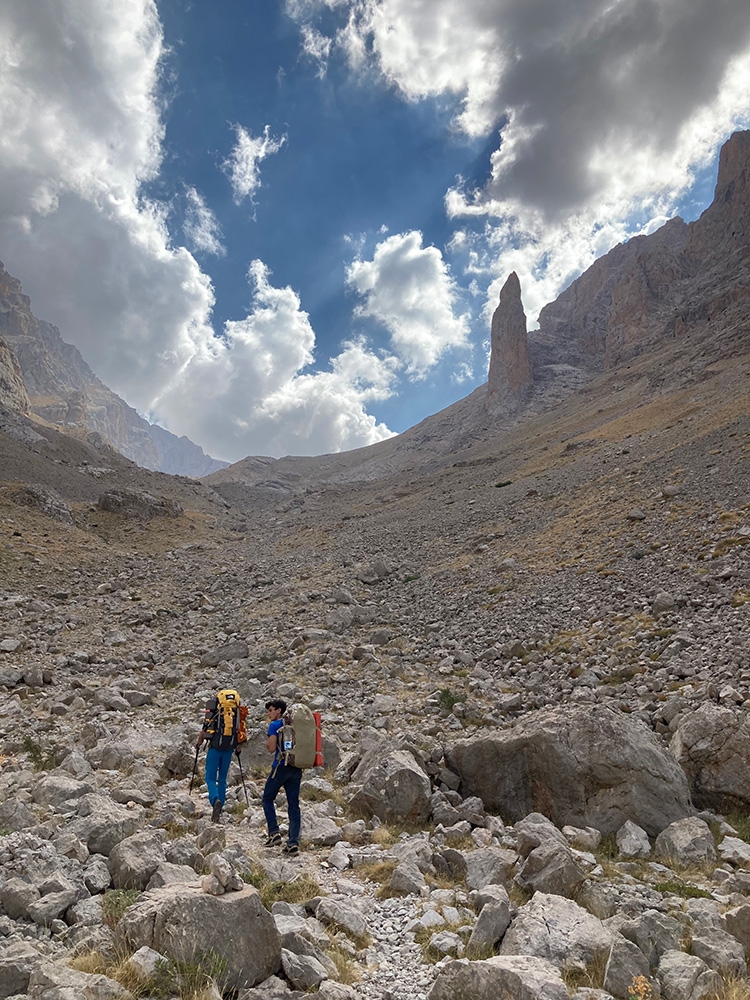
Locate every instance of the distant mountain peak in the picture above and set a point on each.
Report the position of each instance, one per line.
(58, 386)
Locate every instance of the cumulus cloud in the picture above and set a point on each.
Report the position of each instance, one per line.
(603, 111)
(588, 97)
(201, 227)
(408, 289)
(242, 167)
(80, 133)
(259, 390)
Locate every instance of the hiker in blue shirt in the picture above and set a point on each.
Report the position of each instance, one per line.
(282, 776)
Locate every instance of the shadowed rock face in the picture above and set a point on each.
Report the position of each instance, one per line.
(41, 374)
(510, 369)
(12, 390)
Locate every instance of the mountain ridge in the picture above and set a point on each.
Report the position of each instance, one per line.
(674, 287)
(60, 388)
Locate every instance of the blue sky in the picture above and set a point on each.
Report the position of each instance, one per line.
(281, 226)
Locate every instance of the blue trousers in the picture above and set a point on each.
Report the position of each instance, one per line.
(217, 768)
(288, 778)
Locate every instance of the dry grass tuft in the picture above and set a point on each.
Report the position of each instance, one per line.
(378, 871)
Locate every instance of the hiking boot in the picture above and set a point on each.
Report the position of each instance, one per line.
(273, 840)
(292, 849)
(216, 811)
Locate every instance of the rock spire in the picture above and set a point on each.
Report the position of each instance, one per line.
(510, 377)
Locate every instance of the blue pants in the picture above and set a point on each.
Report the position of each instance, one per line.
(288, 778)
(217, 768)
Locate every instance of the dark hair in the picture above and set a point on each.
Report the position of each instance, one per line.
(277, 703)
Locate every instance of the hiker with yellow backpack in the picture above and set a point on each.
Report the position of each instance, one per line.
(225, 730)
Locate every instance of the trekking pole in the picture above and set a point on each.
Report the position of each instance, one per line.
(195, 770)
(242, 776)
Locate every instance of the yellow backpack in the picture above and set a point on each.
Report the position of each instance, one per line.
(225, 720)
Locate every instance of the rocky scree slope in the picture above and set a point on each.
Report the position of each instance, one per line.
(565, 608)
(532, 664)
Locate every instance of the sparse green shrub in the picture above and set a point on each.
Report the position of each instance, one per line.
(503, 482)
(741, 823)
(446, 699)
(682, 889)
(115, 902)
(41, 760)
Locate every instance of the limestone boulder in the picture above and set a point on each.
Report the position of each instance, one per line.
(134, 860)
(552, 868)
(632, 841)
(182, 922)
(391, 786)
(579, 766)
(342, 916)
(101, 823)
(488, 866)
(688, 841)
(712, 745)
(17, 895)
(55, 789)
(138, 504)
(533, 830)
(15, 815)
(491, 924)
(521, 977)
(626, 962)
(687, 977)
(55, 979)
(558, 930)
(654, 933)
(18, 959)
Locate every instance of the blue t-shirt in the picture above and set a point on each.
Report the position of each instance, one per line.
(273, 729)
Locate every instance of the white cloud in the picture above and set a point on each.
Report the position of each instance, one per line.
(80, 131)
(407, 288)
(316, 47)
(201, 226)
(603, 110)
(259, 391)
(243, 164)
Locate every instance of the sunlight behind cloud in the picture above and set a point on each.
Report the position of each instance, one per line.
(604, 112)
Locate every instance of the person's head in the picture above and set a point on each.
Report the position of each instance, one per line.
(275, 708)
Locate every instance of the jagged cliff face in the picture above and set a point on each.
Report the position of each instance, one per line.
(58, 385)
(672, 283)
(13, 394)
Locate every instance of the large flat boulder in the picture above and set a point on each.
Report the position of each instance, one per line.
(101, 823)
(182, 923)
(579, 766)
(558, 930)
(516, 977)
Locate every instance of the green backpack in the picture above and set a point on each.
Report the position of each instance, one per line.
(300, 739)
